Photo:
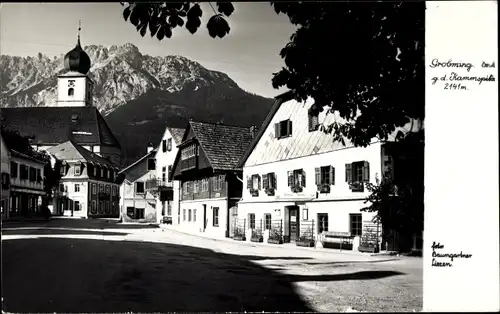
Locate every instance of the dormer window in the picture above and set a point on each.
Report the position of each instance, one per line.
(313, 120)
(151, 164)
(71, 92)
(169, 144)
(283, 129)
(78, 169)
(189, 151)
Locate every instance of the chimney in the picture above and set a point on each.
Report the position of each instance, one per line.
(252, 131)
(150, 147)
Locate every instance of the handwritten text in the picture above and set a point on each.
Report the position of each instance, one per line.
(446, 258)
(461, 75)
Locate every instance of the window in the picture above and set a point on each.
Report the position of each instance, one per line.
(169, 209)
(102, 172)
(71, 92)
(105, 172)
(283, 129)
(164, 146)
(77, 187)
(255, 182)
(196, 185)
(185, 187)
(77, 206)
(169, 144)
(194, 215)
(269, 181)
(112, 174)
(107, 207)
(151, 164)
(322, 222)
(169, 173)
(163, 174)
(267, 221)
(13, 169)
(94, 206)
(356, 224)
(313, 120)
(32, 174)
(61, 187)
(23, 172)
(297, 177)
(77, 170)
(325, 175)
(39, 175)
(356, 173)
(107, 189)
(139, 213)
(94, 188)
(219, 181)
(184, 214)
(96, 170)
(114, 190)
(139, 187)
(216, 216)
(163, 208)
(189, 151)
(189, 214)
(101, 188)
(251, 220)
(204, 185)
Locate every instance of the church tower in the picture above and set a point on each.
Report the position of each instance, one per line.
(74, 87)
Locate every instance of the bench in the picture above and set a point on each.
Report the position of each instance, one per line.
(344, 238)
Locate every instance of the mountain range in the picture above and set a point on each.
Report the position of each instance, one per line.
(139, 95)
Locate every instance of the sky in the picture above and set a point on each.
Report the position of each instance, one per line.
(249, 54)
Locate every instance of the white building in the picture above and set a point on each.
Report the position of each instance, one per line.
(4, 178)
(137, 203)
(299, 181)
(166, 190)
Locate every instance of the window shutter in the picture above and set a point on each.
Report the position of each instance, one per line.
(273, 179)
(169, 146)
(289, 127)
(258, 182)
(170, 173)
(332, 175)
(366, 171)
(265, 181)
(348, 172)
(290, 178)
(249, 182)
(303, 178)
(164, 145)
(277, 130)
(317, 172)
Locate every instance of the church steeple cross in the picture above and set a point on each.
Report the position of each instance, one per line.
(79, 29)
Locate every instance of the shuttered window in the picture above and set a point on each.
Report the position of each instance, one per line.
(297, 177)
(283, 129)
(325, 175)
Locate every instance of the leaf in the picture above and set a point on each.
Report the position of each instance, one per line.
(193, 24)
(225, 8)
(126, 13)
(143, 30)
(161, 33)
(218, 26)
(168, 31)
(195, 11)
(134, 17)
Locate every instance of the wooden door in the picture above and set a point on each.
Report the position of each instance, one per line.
(294, 224)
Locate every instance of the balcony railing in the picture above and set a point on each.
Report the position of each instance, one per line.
(158, 184)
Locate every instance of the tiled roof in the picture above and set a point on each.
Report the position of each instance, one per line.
(223, 145)
(19, 146)
(151, 153)
(56, 125)
(177, 134)
(71, 150)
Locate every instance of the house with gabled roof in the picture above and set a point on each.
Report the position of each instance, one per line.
(138, 202)
(166, 190)
(301, 186)
(206, 167)
(88, 187)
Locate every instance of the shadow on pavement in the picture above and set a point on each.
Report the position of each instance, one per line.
(360, 275)
(85, 275)
(50, 231)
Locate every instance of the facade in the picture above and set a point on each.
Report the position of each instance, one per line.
(88, 185)
(210, 181)
(72, 119)
(137, 203)
(25, 178)
(299, 183)
(165, 189)
(5, 178)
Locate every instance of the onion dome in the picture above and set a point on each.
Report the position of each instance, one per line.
(77, 60)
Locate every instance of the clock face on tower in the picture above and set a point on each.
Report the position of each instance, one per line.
(71, 83)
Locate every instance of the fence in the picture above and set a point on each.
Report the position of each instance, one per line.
(257, 231)
(307, 231)
(239, 228)
(276, 231)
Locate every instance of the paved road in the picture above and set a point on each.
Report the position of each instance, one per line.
(72, 265)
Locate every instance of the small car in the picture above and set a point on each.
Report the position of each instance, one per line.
(167, 220)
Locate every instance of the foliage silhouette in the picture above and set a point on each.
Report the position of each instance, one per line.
(362, 61)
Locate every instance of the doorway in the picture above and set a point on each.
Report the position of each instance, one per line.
(293, 223)
(204, 217)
